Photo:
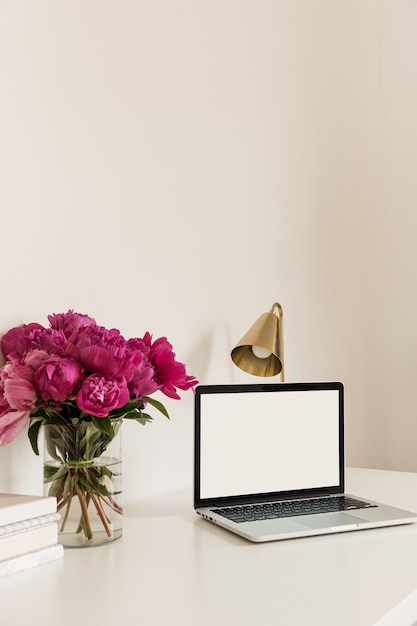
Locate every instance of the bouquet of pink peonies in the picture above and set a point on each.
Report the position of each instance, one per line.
(77, 373)
(76, 365)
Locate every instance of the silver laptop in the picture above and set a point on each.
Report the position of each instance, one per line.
(269, 462)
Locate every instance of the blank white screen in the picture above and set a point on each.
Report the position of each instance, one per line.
(262, 442)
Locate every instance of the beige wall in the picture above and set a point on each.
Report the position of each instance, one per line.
(179, 166)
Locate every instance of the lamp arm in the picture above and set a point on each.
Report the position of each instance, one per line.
(274, 308)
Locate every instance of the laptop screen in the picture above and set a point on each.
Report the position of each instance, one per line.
(268, 439)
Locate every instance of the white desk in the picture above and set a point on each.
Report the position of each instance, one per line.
(171, 567)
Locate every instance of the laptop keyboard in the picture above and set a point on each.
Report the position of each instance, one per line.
(291, 508)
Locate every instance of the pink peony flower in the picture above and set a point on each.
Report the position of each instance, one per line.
(35, 358)
(99, 395)
(4, 405)
(169, 373)
(103, 352)
(12, 421)
(48, 339)
(17, 386)
(17, 342)
(58, 378)
(11, 342)
(70, 322)
(11, 425)
(142, 381)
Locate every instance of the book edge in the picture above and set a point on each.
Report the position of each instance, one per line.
(26, 525)
(31, 559)
(30, 508)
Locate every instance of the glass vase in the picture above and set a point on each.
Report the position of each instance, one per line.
(83, 470)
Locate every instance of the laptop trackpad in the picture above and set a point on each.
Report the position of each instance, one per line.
(331, 520)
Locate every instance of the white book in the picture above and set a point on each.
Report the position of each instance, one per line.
(32, 559)
(18, 507)
(29, 540)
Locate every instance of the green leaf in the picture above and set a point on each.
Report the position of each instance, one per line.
(56, 485)
(132, 415)
(102, 424)
(143, 418)
(33, 434)
(107, 472)
(91, 484)
(157, 405)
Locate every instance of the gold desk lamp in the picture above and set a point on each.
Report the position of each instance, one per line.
(261, 349)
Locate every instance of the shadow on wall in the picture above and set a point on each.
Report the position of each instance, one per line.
(211, 363)
(210, 360)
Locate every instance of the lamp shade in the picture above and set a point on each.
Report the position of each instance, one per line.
(260, 351)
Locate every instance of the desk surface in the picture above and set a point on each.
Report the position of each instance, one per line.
(171, 567)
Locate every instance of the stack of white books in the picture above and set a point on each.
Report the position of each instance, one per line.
(28, 532)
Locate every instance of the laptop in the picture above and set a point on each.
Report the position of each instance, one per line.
(269, 462)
